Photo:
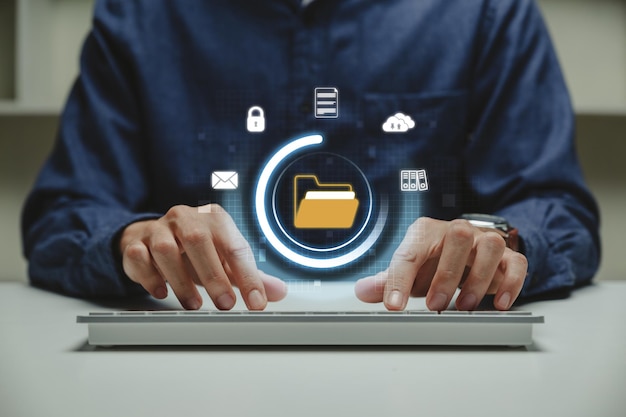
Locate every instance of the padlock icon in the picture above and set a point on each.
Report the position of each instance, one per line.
(256, 119)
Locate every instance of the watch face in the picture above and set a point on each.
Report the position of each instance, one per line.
(487, 220)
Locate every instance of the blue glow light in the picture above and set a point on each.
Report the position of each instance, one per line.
(262, 217)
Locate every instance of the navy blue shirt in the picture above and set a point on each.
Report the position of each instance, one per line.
(164, 86)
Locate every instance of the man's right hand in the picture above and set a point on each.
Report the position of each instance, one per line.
(192, 246)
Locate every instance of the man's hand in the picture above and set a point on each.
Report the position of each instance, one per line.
(190, 246)
(436, 257)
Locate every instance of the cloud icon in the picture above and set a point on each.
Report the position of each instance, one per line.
(398, 123)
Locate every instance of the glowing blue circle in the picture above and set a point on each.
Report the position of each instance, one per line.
(355, 237)
(264, 224)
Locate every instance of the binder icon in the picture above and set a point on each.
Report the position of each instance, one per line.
(324, 206)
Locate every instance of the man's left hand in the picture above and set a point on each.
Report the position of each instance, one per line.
(436, 257)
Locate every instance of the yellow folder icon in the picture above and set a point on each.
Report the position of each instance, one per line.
(327, 206)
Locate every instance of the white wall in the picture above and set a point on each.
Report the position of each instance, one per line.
(590, 38)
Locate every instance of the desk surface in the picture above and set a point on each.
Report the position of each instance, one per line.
(577, 366)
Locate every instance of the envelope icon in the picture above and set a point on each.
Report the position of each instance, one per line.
(324, 206)
(224, 180)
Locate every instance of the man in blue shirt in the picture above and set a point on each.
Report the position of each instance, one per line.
(118, 208)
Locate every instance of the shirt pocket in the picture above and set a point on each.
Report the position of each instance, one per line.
(440, 121)
(435, 143)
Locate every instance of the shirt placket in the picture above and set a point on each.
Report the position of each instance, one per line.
(307, 64)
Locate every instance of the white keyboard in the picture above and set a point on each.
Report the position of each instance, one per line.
(482, 328)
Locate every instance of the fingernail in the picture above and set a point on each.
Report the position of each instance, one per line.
(256, 301)
(394, 300)
(439, 302)
(193, 304)
(225, 302)
(504, 301)
(467, 302)
(160, 292)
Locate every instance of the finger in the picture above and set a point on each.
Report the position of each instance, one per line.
(371, 289)
(407, 261)
(168, 260)
(516, 268)
(488, 254)
(202, 261)
(457, 245)
(424, 278)
(234, 248)
(200, 249)
(498, 277)
(138, 265)
(275, 288)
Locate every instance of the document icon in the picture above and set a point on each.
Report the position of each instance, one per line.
(324, 206)
(224, 180)
(326, 103)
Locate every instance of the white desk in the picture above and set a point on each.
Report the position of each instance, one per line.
(577, 367)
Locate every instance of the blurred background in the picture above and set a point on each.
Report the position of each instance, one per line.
(40, 42)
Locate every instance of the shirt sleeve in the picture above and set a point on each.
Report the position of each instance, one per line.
(521, 159)
(94, 183)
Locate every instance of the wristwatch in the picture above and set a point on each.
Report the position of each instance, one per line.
(500, 225)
